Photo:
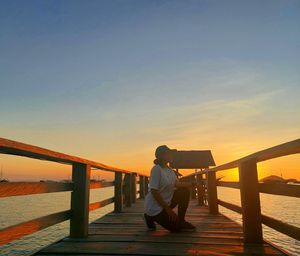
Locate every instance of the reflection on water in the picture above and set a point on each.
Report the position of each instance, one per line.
(21, 208)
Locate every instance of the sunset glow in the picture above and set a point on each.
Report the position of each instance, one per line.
(108, 81)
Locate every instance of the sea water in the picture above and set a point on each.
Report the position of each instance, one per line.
(18, 209)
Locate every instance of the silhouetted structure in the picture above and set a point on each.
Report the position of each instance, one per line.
(192, 159)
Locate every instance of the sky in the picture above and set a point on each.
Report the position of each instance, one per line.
(112, 80)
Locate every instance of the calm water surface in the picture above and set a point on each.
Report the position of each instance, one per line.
(18, 209)
(282, 208)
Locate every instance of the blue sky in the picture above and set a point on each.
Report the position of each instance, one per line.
(111, 80)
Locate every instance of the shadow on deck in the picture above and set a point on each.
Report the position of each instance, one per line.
(125, 234)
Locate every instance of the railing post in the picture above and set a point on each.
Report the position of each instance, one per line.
(127, 189)
(142, 186)
(212, 192)
(250, 202)
(193, 192)
(146, 185)
(200, 189)
(188, 179)
(118, 192)
(80, 200)
(133, 187)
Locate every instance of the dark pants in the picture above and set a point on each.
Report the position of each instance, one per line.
(181, 198)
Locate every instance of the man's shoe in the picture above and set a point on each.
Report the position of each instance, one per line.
(186, 226)
(149, 222)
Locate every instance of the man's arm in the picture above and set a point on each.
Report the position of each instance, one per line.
(172, 215)
(159, 199)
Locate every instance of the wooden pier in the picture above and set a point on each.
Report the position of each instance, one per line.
(122, 232)
(126, 234)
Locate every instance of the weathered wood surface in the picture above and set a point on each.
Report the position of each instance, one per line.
(128, 189)
(26, 228)
(125, 234)
(100, 204)
(228, 184)
(21, 149)
(280, 189)
(282, 227)
(101, 184)
(212, 196)
(80, 200)
(285, 149)
(29, 188)
(118, 206)
(250, 201)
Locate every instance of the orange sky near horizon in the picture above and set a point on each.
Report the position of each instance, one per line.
(17, 168)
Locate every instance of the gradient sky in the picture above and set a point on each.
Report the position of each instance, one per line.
(112, 80)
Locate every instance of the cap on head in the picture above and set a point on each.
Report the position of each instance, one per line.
(161, 150)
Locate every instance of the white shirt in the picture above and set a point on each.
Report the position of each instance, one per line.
(164, 180)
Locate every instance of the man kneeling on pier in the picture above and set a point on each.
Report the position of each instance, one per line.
(165, 192)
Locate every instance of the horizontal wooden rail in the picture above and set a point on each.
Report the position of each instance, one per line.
(21, 149)
(101, 184)
(230, 206)
(282, 227)
(97, 205)
(80, 187)
(8, 189)
(285, 149)
(280, 189)
(28, 188)
(228, 184)
(26, 228)
(250, 188)
(268, 188)
(289, 148)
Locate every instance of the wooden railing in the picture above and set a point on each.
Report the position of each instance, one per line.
(250, 188)
(125, 191)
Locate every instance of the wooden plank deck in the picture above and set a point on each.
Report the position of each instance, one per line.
(125, 234)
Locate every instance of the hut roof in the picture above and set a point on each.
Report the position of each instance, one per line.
(192, 159)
